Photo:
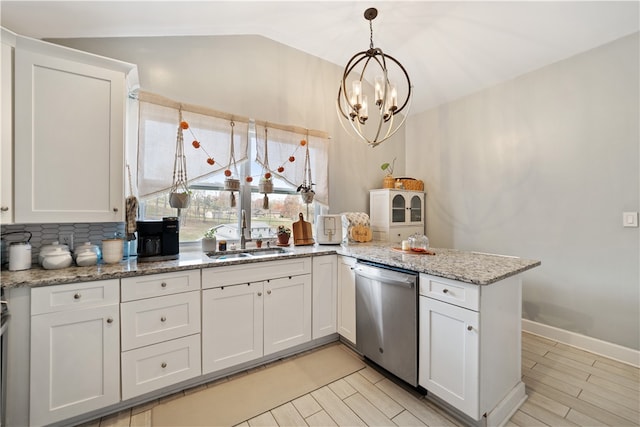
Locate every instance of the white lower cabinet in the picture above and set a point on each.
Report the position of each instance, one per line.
(470, 344)
(160, 331)
(449, 353)
(245, 321)
(75, 350)
(325, 295)
(232, 325)
(149, 368)
(347, 298)
(287, 313)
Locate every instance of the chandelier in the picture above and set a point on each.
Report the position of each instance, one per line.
(376, 76)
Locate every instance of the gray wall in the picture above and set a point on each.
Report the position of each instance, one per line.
(262, 79)
(542, 167)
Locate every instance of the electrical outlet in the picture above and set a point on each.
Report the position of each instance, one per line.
(66, 238)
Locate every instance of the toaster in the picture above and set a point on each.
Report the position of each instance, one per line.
(329, 229)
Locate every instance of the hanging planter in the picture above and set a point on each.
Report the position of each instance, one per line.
(305, 190)
(231, 184)
(265, 186)
(180, 196)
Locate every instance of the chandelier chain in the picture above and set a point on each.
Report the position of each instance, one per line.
(370, 34)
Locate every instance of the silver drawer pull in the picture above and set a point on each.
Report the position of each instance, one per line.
(163, 284)
(4, 209)
(163, 319)
(163, 365)
(109, 319)
(77, 296)
(269, 292)
(259, 294)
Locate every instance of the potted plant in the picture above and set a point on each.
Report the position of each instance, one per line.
(259, 241)
(388, 181)
(209, 240)
(180, 199)
(283, 235)
(306, 192)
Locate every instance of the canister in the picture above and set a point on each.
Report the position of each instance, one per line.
(19, 256)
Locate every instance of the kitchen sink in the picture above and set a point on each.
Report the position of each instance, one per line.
(267, 251)
(230, 256)
(249, 253)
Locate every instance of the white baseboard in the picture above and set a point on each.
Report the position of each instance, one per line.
(593, 345)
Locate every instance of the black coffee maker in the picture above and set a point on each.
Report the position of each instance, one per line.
(159, 240)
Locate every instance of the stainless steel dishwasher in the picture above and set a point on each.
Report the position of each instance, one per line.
(387, 318)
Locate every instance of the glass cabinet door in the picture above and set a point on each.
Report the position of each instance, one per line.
(416, 209)
(398, 208)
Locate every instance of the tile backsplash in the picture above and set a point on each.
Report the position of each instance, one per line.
(44, 234)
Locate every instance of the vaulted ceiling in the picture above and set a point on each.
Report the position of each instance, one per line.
(449, 48)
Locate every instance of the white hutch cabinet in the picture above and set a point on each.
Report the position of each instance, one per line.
(69, 134)
(396, 214)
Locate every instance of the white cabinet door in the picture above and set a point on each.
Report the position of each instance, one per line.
(287, 312)
(325, 295)
(69, 140)
(6, 139)
(449, 354)
(347, 298)
(75, 363)
(231, 325)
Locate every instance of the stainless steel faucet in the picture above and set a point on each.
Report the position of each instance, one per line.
(243, 240)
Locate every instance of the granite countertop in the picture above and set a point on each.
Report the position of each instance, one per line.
(470, 267)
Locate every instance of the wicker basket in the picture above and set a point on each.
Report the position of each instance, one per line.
(388, 182)
(412, 184)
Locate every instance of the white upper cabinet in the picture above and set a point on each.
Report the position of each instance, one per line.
(6, 139)
(69, 142)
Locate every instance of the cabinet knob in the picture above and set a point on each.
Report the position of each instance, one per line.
(469, 328)
(4, 209)
(115, 209)
(163, 364)
(163, 284)
(109, 319)
(163, 319)
(269, 292)
(77, 296)
(445, 291)
(259, 294)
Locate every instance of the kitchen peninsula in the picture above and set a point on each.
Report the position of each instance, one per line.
(318, 286)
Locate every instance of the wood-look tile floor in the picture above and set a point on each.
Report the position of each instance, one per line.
(566, 387)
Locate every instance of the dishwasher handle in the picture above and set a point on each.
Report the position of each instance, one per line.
(386, 276)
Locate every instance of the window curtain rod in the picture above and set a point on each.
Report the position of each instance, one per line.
(166, 102)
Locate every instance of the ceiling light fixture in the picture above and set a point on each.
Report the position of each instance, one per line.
(361, 83)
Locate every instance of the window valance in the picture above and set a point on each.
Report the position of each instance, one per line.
(159, 118)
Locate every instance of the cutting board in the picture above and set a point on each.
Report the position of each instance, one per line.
(302, 233)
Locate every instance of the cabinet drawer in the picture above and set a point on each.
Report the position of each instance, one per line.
(156, 285)
(153, 320)
(458, 293)
(245, 273)
(50, 299)
(160, 365)
(398, 234)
